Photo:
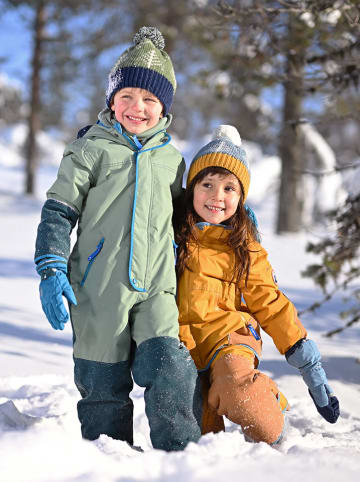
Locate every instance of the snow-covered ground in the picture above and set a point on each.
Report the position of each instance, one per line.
(39, 432)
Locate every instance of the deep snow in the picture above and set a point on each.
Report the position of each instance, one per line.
(39, 431)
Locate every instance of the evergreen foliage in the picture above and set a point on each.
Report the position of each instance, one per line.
(339, 268)
(310, 48)
(226, 55)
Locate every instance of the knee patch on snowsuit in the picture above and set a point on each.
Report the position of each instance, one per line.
(172, 392)
(247, 397)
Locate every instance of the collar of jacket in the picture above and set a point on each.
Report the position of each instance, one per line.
(149, 138)
(212, 235)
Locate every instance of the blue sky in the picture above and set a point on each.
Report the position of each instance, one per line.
(15, 45)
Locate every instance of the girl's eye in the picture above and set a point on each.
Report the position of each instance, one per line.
(232, 188)
(206, 185)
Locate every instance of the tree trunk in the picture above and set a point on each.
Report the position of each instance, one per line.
(291, 198)
(34, 115)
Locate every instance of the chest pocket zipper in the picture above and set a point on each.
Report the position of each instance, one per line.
(91, 259)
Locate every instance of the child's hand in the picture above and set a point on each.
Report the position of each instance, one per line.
(305, 356)
(52, 290)
(331, 411)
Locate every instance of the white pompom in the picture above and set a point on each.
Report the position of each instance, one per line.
(151, 33)
(227, 132)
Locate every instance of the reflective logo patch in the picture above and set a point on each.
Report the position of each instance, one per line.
(274, 277)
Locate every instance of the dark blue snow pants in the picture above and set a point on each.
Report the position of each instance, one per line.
(172, 395)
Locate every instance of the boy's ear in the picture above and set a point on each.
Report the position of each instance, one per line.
(112, 107)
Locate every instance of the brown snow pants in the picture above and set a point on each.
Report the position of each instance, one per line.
(247, 397)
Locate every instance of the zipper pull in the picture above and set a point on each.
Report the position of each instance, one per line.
(97, 250)
(254, 333)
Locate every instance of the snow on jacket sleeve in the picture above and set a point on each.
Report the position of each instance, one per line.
(272, 309)
(65, 198)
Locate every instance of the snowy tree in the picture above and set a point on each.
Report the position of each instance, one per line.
(56, 27)
(309, 47)
(323, 184)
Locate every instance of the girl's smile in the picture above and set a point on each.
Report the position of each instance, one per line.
(216, 197)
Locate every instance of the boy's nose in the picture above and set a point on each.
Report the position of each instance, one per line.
(138, 104)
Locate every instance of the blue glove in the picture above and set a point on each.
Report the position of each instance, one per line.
(305, 356)
(53, 286)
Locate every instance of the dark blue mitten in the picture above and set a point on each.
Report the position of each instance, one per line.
(331, 411)
(305, 356)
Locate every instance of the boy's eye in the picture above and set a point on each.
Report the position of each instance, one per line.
(206, 184)
(229, 188)
(150, 99)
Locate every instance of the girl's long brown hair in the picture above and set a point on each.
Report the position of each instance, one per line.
(243, 229)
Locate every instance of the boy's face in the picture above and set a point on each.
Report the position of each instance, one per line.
(136, 109)
(216, 197)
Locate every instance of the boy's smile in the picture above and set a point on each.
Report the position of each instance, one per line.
(136, 109)
(216, 197)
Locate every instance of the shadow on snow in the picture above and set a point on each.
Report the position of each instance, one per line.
(17, 268)
(32, 334)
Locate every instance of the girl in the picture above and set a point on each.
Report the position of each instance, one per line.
(227, 291)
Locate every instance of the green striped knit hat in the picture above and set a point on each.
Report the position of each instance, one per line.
(144, 65)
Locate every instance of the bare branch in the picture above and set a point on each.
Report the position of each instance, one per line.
(333, 54)
(326, 172)
(342, 328)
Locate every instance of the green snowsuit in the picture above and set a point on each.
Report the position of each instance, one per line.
(120, 190)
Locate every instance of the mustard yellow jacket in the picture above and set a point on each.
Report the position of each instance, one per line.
(214, 310)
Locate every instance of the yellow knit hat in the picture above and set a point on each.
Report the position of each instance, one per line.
(223, 151)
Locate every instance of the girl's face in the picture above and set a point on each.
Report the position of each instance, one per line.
(216, 197)
(136, 109)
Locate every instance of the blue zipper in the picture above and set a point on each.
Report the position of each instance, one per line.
(138, 150)
(91, 259)
(134, 281)
(175, 246)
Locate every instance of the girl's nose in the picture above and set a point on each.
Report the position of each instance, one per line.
(218, 194)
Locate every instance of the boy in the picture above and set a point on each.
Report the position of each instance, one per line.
(118, 182)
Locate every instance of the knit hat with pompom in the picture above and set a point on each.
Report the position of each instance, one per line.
(145, 65)
(224, 150)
